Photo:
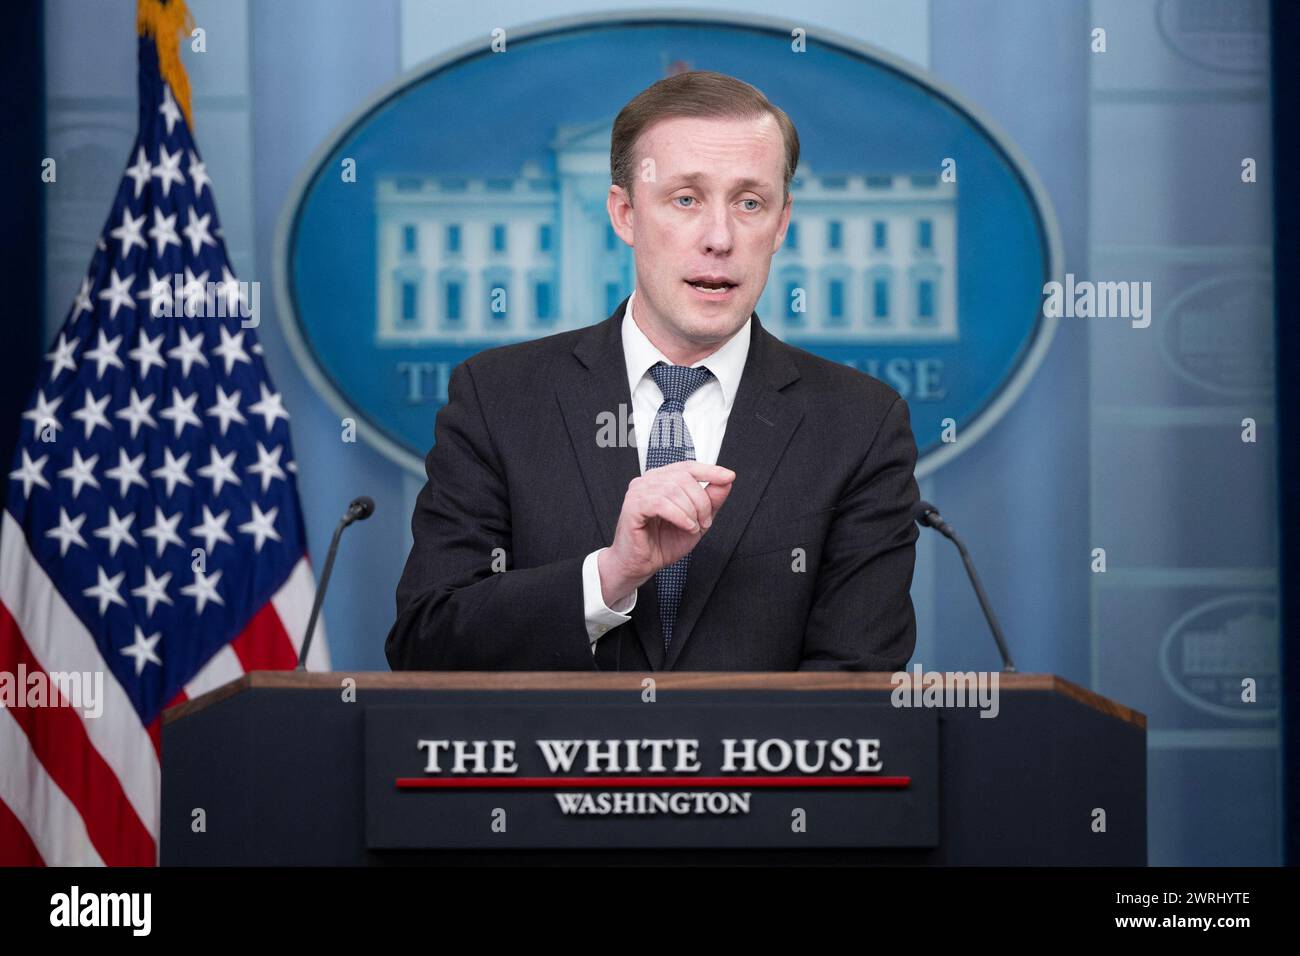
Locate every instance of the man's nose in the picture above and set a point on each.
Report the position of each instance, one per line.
(718, 232)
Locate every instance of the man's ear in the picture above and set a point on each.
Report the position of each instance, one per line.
(619, 204)
(785, 223)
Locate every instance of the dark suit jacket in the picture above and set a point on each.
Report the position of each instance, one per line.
(823, 456)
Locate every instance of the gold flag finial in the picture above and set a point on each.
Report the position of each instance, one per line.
(164, 21)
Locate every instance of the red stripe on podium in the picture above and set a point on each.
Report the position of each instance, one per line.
(691, 783)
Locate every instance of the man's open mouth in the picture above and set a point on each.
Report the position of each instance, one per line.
(711, 286)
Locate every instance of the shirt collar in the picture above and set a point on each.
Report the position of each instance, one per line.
(727, 363)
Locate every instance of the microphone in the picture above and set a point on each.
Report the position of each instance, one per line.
(359, 510)
(927, 515)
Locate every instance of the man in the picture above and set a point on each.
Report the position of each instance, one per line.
(759, 516)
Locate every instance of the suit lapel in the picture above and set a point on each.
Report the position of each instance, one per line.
(758, 430)
(599, 389)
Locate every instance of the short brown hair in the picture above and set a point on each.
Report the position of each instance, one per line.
(692, 93)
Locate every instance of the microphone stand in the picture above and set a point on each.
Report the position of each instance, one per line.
(928, 515)
(359, 510)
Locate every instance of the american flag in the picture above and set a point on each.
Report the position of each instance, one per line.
(152, 531)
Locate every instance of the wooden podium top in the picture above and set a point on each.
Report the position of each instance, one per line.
(628, 681)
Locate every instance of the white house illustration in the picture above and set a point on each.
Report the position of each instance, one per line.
(473, 260)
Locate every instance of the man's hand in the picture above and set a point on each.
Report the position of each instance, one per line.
(665, 513)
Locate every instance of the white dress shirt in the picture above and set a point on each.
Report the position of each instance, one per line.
(705, 414)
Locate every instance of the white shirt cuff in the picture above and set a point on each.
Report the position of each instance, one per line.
(600, 618)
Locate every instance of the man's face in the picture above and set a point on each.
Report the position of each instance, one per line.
(709, 206)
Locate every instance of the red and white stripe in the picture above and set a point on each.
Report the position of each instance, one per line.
(86, 791)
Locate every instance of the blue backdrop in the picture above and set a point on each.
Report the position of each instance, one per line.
(1127, 443)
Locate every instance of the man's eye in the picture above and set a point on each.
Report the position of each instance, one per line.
(692, 198)
(754, 201)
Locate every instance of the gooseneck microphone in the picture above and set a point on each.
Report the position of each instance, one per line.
(360, 509)
(927, 515)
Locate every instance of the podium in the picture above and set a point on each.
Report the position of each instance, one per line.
(293, 768)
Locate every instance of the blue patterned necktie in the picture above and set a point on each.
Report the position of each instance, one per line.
(670, 441)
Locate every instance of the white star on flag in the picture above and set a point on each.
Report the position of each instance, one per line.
(91, 414)
(143, 649)
(81, 472)
(68, 532)
(164, 530)
(270, 407)
(105, 354)
(117, 531)
(31, 473)
(171, 113)
(213, 529)
(232, 349)
(189, 352)
(261, 526)
(226, 410)
(147, 354)
(172, 471)
(62, 355)
(163, 230)
(128, 234)
(140, 172)
(181, 411)
(158, 291)
(82, 303)
(220, 470)
(197, 231)
(198, 174)
(118, 294)
(105, 590)
(154, 590)
(268, 465)
(44, 413)
(168, 169)
(127, 472)
(137, 412)
(203, 590)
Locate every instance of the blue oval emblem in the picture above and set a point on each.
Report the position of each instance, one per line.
(464, 208)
